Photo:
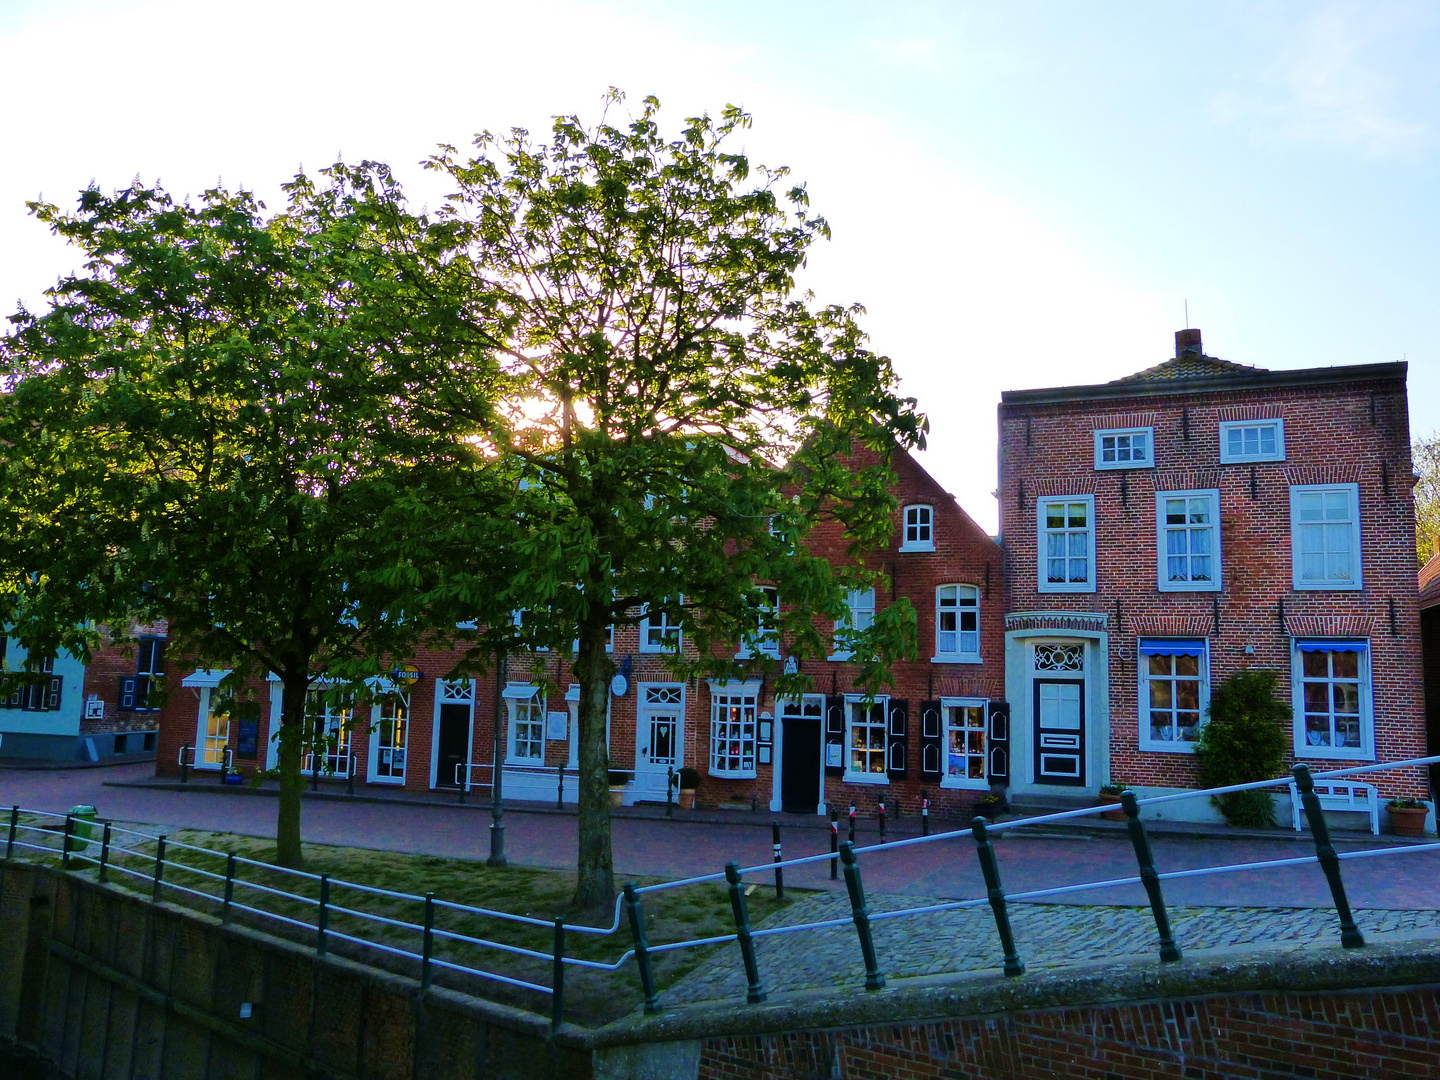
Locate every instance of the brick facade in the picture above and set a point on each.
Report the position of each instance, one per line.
(1263, 1036)
(1341, 426)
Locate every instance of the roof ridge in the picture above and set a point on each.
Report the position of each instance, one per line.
(1189, 366)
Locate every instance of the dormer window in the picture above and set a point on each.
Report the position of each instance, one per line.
(919, 529)
(1125, 448)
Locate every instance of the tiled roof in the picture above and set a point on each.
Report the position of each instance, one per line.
(1192, 366)
(1429, 581)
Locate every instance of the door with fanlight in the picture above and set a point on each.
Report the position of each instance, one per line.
(1058, 704)
(659, 738)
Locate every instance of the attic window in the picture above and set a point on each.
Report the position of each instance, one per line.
(1125, 448)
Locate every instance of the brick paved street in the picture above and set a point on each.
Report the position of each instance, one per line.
(658, 848)
(1046, 935)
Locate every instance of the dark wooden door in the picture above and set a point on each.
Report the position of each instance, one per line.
(1060, 731)
(800, 761)
(453, 744)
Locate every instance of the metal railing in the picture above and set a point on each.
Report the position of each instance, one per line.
(844, 855)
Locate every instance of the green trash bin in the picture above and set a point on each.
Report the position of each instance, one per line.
(83, 827)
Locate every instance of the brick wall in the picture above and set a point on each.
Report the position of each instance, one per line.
(1272, 1036)
(1341, 432)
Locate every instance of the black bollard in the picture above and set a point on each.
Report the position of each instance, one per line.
(779, 872)
(852, 825)
(882, 821)
(834, 843)
(924, 812)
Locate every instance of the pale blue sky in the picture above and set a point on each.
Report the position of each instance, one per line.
(1023, 194)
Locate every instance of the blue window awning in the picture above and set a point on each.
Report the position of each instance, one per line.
(1331, 645)
(1172, 648)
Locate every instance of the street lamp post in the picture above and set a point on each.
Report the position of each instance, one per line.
(497, 812)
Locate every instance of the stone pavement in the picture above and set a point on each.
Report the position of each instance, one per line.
(1046, 936)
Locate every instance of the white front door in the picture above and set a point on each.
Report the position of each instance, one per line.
(659, 738)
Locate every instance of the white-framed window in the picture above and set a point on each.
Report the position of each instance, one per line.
(865, 740)
(392, 731)
(1125, 448)
(1334, 716)
(518, 618)
(215, 732)
(966, 747)
(328, 724)
(1187, 540)
(918, 528)
(658, 633)
(525, 739)
(149, 673)
(732, 730)
(957, 624)
(860, 616)
(1174, 692)
(1066, 527)
(766, 640)
(1325, 536)
(1252, 440)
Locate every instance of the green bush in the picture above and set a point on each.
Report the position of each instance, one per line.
(1244, 741)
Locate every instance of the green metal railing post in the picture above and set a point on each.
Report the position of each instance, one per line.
(1350, 935)
(1169, 951)
(874, 980)
(14, 824)
(754, 992)
(991, 869)
(65, 842)
(104, 851)
(557, 978)
(642, 950)
(427, 941)
(229, 886)
(322, 920)
(159, 867)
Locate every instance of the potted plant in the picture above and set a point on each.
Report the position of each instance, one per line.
(1407, 816)
(1110, 793)
(232, 776)
(618, 779)
(989, 805)
(689, 781)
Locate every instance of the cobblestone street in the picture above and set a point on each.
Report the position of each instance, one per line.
(1046, 935)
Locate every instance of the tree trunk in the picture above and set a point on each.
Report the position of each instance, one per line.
(292, 784)
(596, 885)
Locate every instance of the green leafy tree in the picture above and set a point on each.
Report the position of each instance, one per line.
(1244, 742)
(1425, 456)
(212, 425)
(675, 413)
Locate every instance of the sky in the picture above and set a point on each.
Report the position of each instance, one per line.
(1022, 195)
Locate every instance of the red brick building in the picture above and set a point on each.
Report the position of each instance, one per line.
(86, 712)
(1199, 517)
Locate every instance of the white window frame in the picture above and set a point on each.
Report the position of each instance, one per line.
(1228, 458)
(766, 641)
(861, 603)
(923, 526)
(963, 783)
(1356, 579)
(389, 703)
(1142, 669)
(339, 720)
(1366, 750)
(882, 702)
(1148, 462)
(1162, 556)
(203, 749)
(724, 700)
(528, 695)
(1041, 585)
(666, 629)
(959, 655)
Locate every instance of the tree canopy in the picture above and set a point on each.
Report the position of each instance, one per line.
(210, 426)
(678, 414)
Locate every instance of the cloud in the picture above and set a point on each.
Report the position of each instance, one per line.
(1345, 79)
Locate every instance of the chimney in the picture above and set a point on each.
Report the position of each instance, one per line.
(1187, 343)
